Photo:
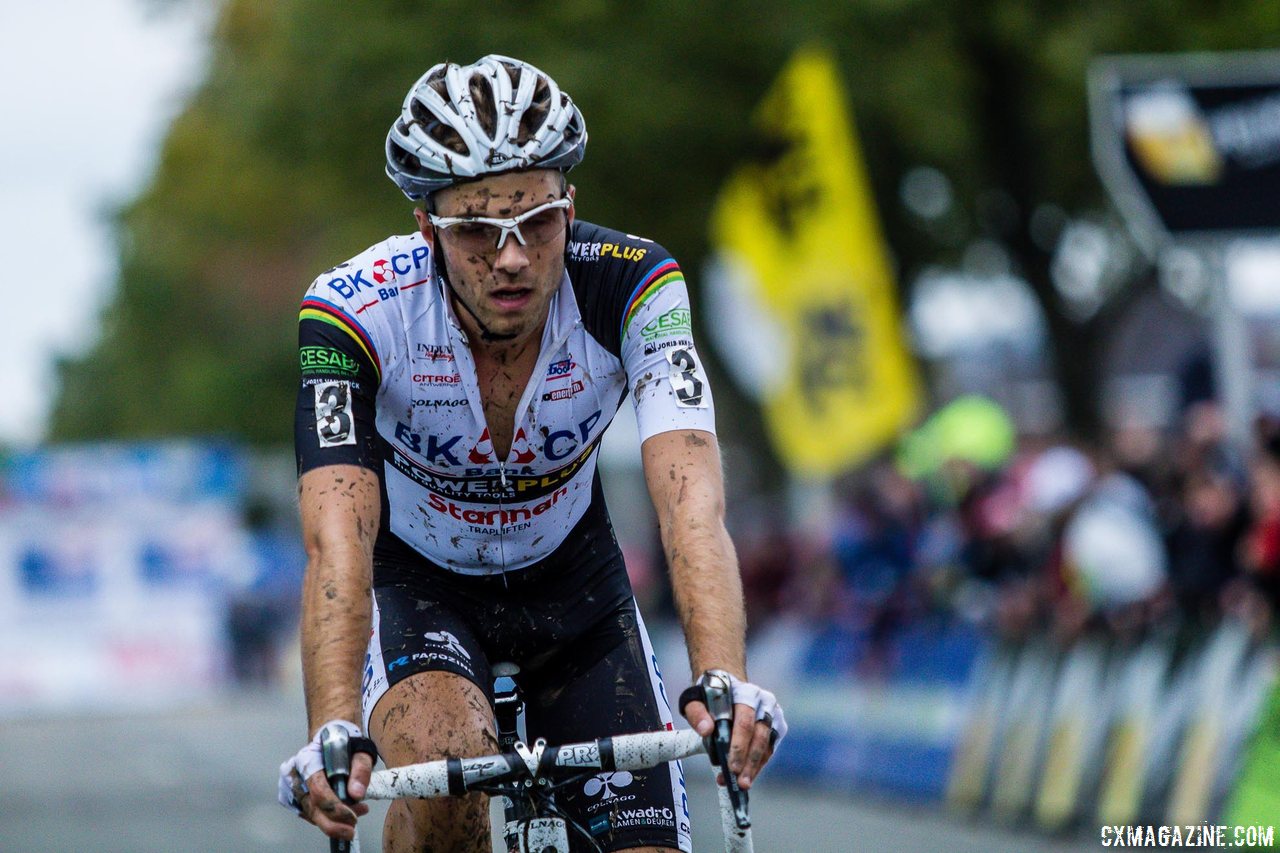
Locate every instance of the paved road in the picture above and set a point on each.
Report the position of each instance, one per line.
(204, 779)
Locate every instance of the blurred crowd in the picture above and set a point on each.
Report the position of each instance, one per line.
(969, 525)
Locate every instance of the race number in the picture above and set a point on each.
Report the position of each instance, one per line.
(686, 379)
(334, 424)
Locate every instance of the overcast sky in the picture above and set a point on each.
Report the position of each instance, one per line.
(87, 88)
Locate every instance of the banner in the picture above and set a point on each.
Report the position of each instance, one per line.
(797, 235)
(115, 564)
(1189, 144)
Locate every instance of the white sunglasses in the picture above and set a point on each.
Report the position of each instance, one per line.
(483, 234)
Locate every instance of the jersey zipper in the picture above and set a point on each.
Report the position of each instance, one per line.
(502, 524)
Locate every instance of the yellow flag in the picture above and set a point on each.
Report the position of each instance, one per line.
(801, 225)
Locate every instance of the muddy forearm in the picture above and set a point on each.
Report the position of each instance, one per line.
(687, 487)
(340, 511)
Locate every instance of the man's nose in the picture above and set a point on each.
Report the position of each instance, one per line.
(512, 257)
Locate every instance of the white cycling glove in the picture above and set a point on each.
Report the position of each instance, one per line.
(745, 693)
(309, 760)
(765, 703)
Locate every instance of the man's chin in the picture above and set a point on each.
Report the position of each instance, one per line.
(508, 327)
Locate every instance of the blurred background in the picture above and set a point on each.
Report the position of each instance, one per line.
(988, 291)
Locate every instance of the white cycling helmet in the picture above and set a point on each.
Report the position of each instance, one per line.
(462, 122)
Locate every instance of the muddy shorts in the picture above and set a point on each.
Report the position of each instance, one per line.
(587, 670)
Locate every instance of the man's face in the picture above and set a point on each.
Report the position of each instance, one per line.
(509, 289)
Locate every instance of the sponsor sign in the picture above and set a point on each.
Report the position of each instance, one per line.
(437, 404)
(437, 378)
(1189, 144)
(673, 322)
(315, 359)
(444, 451)
(564, 393)
(485, 486)
(439, 647)
(595, 251)
(652, 816)
(493, 517)
(607, 786)
(434, 352)
(381, 272)
(561, 369)
(655, 347)
(580, 755)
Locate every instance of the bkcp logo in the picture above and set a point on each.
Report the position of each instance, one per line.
(383, 272)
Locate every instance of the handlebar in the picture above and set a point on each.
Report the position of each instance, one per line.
(642, 751)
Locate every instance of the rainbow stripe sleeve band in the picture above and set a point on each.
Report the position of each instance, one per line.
(314, 308)
(664, 273)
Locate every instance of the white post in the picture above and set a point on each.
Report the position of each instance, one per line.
(1232, 360)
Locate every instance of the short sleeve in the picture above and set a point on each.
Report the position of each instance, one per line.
(338, 385)
(664, 372)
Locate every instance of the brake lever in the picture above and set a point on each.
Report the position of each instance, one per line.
(334, 742)
(718, 690)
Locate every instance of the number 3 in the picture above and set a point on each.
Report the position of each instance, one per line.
(333, 414)
(684, 378)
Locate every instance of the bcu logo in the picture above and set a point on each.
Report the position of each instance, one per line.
(560, 369)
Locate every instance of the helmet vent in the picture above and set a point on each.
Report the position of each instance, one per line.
(482, 98)
(535, 115)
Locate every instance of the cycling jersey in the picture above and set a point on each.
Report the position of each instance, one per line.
(388, 383)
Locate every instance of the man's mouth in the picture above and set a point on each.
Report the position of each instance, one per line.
(511, 298)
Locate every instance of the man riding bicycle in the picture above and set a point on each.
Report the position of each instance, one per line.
(456, 382)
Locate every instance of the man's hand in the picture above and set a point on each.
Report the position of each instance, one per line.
(758, 725)
(305, 789)
(320, 806)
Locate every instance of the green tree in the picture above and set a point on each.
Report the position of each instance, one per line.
(273, 171)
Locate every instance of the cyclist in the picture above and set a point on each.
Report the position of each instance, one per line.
(455, 385)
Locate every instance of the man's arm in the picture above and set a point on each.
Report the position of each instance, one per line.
(682, 468)
(341, 508)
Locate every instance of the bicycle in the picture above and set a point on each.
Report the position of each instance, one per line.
(527, 778)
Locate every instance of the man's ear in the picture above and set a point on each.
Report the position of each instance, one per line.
(424, 227)
(571, 191)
